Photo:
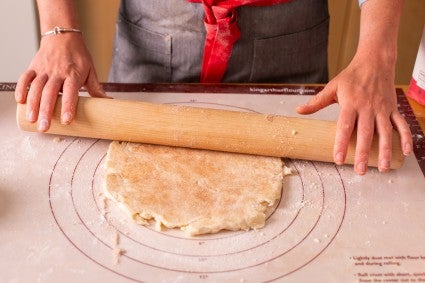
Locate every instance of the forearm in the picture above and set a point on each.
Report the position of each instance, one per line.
(61, 13)
(379, 26)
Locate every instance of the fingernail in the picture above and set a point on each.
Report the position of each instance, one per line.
(66, 118)
(384, 165)
(31, 116)
(339, 158)
(361, 167)
(407, 149)
(43, 125)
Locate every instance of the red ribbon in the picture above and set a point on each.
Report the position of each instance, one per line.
(222, 32)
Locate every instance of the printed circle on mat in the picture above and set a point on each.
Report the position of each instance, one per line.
(298, 229)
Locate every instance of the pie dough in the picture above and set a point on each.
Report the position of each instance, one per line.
(199, 191)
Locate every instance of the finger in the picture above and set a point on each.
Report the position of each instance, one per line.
(21, 91)
(324, 98)
(404, 131)
(34, 97)
(93, 86)
(69, 100)
(344, 130)
(47, 103)
(365, 130)
(384, 129)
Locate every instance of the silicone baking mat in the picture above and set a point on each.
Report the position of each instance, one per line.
(330, 225)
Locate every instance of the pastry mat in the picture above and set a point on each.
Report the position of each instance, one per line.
(330, 225)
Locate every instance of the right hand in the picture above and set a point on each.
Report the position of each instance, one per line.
(62, 63)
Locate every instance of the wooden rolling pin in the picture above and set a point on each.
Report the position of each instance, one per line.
(212, 129)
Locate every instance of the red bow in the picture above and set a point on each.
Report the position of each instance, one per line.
(222, 32)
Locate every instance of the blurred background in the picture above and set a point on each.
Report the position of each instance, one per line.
(20, 35)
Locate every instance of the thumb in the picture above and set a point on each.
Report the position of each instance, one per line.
(93, 86)
(321, 100)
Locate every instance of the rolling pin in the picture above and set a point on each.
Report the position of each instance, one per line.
(221, 130)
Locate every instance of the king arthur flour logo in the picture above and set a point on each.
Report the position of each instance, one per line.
(282, 90)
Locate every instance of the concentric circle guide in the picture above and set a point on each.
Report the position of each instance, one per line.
(299, 228)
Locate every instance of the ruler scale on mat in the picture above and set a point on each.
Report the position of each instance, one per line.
(415, 128)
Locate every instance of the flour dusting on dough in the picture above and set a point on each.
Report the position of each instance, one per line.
(198, 191)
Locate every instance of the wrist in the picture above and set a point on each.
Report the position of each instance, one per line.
(58, 30)
(61, 13)
(381, 56)
(62, 39)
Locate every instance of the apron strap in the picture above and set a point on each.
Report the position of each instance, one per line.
(222, 32)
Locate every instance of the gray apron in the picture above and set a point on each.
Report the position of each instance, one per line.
(163, 41)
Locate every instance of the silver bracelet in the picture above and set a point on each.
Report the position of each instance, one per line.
(58, 30)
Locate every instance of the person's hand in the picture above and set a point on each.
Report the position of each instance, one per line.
(61, 64)
(366, 94)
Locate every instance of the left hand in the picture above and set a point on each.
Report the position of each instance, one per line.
(366, 94)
